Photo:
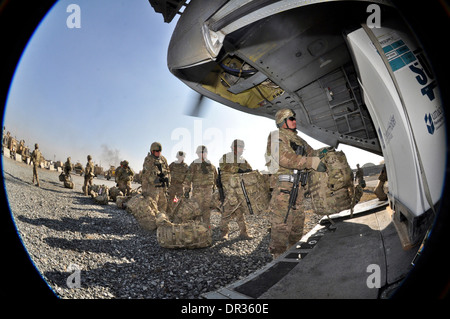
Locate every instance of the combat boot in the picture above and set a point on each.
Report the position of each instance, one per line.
(244, 235)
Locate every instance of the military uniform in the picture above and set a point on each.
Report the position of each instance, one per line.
(232, 163)
(36, 157)
(282, 145)
(178, 171)
(67, 168)
(156, 177)
(88, 175)
(124, 176)
(360, 176)
(202, 175)
(379, 190)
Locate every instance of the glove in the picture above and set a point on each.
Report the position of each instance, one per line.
(321, 168)
(315, 161)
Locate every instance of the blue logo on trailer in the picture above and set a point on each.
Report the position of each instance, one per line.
(429, 123)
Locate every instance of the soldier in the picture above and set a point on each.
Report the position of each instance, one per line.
(124, 176)
(156, 177)
(202, 174)
(36, 157)
(178, 171)
(379, 190)
(287, 152)
(360, 176)
(67, 168)
(234, 163)
(88, 174)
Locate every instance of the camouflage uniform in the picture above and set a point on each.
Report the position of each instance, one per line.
(360, 176)
(67, 168)
(203, 175)
(124, 176)
(88, 174)
(379, 190)
(233, 163)
(156, 177)
(281, 150)
(36, 157)
(178, 171)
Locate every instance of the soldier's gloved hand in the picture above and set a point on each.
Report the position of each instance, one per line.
(315, 161)
(321, 168)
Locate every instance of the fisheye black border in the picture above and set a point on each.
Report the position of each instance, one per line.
(430, 22)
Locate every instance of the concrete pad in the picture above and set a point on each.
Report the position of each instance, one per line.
(338, 265)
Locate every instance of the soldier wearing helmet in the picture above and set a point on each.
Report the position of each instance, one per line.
(124, 176)
(286, 152)
(178, 171)
(88, 175)
(234, 163)
(36, 157)
(201, 178)
(156, 177)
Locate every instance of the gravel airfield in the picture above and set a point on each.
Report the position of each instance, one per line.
(88, 251)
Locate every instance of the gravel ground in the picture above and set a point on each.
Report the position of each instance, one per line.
(68, 236)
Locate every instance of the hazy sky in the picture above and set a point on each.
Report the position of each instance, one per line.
(104, 89)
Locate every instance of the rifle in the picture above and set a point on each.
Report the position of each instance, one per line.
(249, 205)
(161, 177)
(300, 177)
(220, 187)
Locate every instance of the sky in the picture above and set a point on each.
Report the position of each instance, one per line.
(103, 88)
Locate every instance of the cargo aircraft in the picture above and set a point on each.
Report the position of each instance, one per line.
(354, 73)
(370, 74)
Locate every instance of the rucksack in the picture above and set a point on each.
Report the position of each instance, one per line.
(332, 191)
(191, 234)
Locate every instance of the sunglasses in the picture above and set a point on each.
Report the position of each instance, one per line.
(292, 118)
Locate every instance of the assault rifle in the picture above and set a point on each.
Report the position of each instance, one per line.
(220, 187)
(244, 191)
(300, 177)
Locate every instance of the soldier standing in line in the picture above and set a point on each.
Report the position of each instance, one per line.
(124, 176)
(287, 152)
(234, 163)
(178, 171)
(156, 177)
(36, 157)
(203, 175)
(67, 168)
(88, 175)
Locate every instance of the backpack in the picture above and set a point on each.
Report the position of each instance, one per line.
(191, 234)
(332, 191)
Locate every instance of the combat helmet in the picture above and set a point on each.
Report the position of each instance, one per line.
(237, 143)
(155, 147)
(282, 115)
(89, 157)
(201, 149)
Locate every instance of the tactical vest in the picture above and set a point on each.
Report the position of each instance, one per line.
(332, 191)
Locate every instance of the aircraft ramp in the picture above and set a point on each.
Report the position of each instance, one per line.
(357, 258)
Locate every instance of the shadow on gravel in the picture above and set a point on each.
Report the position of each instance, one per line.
(156, 272)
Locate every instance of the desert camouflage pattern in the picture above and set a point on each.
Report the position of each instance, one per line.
(201, 178)
(123, 177)
(186, 209)
(281, 159)
(152, 186)
(178, 173)
(332, 191)
(144, 209)
(190, 235)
